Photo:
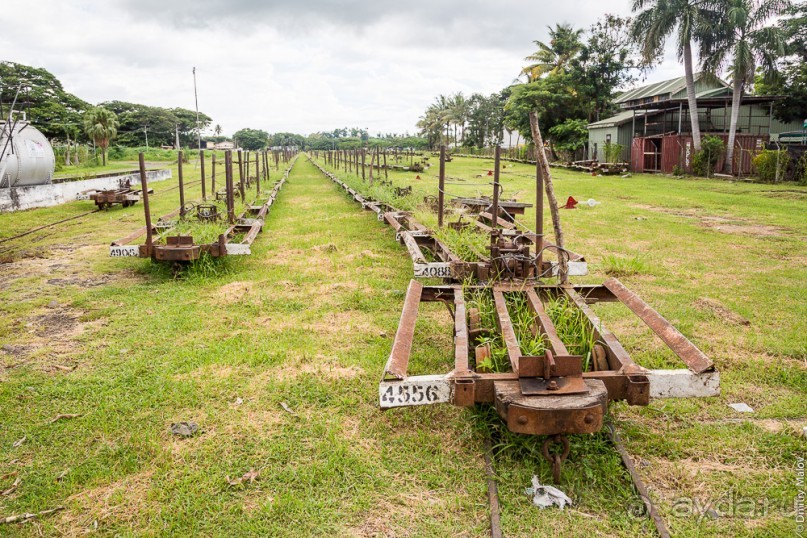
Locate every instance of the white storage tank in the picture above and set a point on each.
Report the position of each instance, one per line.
(26, 158)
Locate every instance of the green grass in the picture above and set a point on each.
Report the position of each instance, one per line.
(308, 320)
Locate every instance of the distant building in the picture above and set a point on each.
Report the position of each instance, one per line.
(654, 128)
(223, 145)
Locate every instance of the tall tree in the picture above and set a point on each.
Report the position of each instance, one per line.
(791, 82)
(485, 120)
(564, 44)
(553, 98)
(457, 114)
(135, 119)
(101, 125)
(47, 105)
(690, 21)
(745, 41)
(609, 59)
(251, 139)
(430, 125)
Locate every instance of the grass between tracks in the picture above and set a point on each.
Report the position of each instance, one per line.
(308, 321)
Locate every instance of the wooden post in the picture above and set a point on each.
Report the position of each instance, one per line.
(539, 213)
(241, 176)
(540, 159)
(202, 170)
(145, 187)
(229, 187)
(362, 164)
(372, 161)
(181, 187)
(213, 175)
(257, 174)
(441, 187)
(386, 173)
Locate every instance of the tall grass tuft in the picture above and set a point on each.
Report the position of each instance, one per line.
(573, 328)
(619, 266)
(467, 243)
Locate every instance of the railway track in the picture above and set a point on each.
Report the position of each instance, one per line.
(8, 249)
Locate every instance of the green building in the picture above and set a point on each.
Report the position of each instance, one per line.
(654, 128)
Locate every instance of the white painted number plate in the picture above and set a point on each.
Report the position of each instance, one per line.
(433, 270)
(418, 390)
(128, 250)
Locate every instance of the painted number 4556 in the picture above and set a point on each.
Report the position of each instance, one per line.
(403, 394)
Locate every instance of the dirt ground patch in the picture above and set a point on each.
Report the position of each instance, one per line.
(318, 365)
(729, 225)
(235, 291)
(122, 501)
(62, 322)
(720, 311)
(80, 282)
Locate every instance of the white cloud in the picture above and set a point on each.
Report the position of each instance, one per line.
(287, 66)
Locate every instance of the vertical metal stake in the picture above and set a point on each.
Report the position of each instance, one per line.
(441, 187)
(181, 187)
(497, 157)
(202, 170)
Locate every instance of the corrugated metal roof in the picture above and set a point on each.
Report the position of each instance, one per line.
(716, 92)
(619, 119)
(665, 87)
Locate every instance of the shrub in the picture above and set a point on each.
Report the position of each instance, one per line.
(801, 169)
(613, 152)
(677, 170)
(115, 152)
(705, 160)
(771, 165)
(567, 138)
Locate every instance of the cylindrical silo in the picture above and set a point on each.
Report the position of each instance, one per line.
(26, 157)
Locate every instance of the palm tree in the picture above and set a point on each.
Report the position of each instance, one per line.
(457, 113)
(430, 125)
(744, 42)
(689, 20)
(564, 44)
(217, 130)
(101, 125)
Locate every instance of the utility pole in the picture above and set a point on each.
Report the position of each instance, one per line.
(176, 126)
(196, 98)
(146, 131)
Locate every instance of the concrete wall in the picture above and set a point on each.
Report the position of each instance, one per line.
(19, 198)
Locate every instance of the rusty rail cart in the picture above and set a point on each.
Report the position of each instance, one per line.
(182, 248)
(124, 195)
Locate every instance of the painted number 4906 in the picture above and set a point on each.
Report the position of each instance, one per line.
(124, 251)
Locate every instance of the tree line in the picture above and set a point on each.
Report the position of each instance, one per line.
(62, 116)
(344, 138)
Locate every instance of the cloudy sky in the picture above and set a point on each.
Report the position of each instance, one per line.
(299, 66)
